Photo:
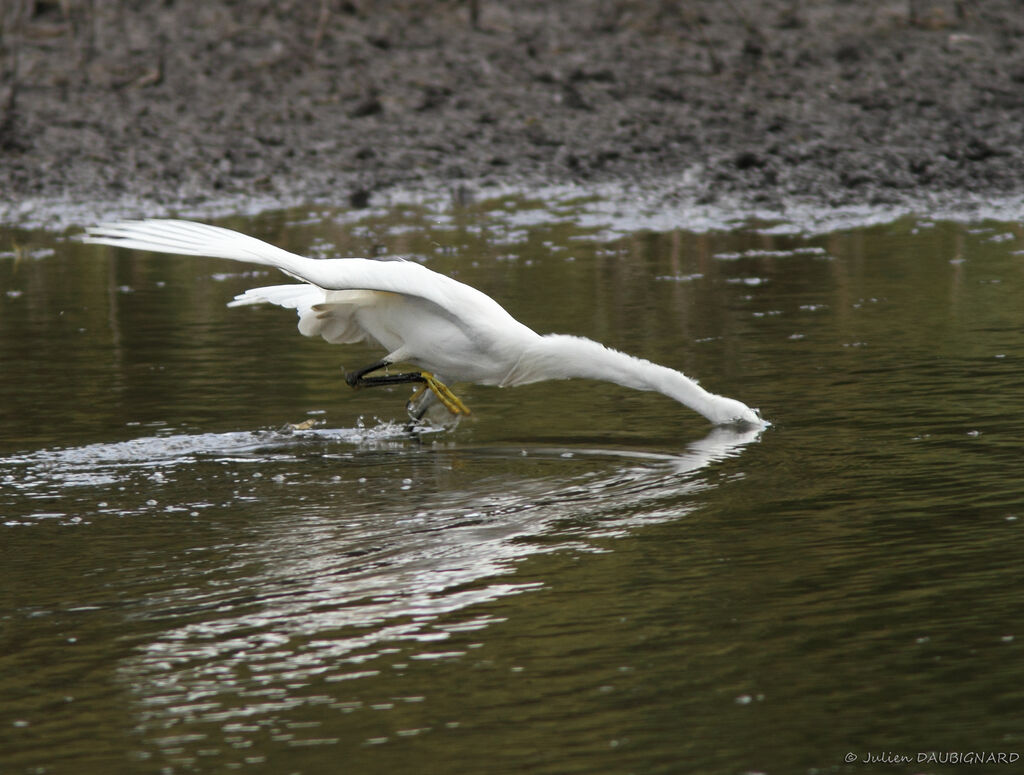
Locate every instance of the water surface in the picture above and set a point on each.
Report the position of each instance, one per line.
(578, 578)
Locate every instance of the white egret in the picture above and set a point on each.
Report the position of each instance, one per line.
(446, 329)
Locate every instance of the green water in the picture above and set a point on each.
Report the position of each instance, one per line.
(576, 579)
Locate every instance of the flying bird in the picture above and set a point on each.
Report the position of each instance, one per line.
(449, 331)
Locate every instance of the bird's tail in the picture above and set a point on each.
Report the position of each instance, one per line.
(191, 239)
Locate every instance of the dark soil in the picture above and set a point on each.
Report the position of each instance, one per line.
(764, 100)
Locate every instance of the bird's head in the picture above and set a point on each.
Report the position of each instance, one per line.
(729, 411)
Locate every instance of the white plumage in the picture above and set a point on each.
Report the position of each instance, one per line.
(419, 317)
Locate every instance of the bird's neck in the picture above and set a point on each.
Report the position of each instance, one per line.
(557, 356)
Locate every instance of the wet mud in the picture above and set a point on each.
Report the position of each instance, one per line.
(182, 101)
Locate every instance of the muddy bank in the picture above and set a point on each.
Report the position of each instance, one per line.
(761, 101)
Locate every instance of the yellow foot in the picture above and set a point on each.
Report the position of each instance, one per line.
(444, 394)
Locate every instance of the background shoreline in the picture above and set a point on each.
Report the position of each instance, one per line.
(753, 105)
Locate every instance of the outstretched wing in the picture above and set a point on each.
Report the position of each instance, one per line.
(329, 314)
(404, 277)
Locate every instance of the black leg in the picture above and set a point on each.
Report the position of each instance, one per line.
(359, 379)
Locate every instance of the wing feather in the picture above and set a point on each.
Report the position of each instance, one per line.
(329, 314)
(476, 311)
(200, 239)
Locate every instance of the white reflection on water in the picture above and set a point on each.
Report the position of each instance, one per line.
(322, 593)
(319, 555)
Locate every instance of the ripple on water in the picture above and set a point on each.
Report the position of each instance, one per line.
(301, 576)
